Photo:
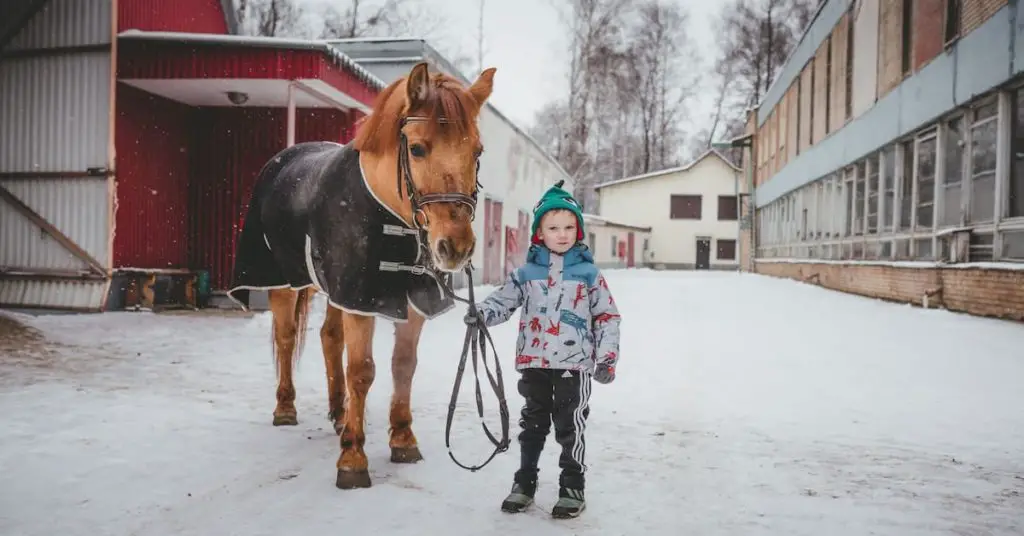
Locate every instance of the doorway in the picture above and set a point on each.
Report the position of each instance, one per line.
(703, 253)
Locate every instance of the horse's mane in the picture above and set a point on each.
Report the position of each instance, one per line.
(447, 99)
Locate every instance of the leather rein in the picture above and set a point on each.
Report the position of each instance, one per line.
(477, 334)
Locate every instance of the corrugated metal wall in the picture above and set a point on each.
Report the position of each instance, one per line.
(198, 16)
(230, 146)
(152, 141)
(54, 124)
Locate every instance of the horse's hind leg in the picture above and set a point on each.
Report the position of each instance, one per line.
(332, 338)
(353, 468)
(289, 309)
(403, 366)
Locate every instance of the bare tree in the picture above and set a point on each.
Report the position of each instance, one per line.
(757, 37)
(271, 18)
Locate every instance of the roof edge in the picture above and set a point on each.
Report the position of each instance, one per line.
(666, 171)
(339, 58)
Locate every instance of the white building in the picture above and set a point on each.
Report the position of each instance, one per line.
(514, 170)
(691, 212)
(615, 244)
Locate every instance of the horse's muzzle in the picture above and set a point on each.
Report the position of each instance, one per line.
(452, 255)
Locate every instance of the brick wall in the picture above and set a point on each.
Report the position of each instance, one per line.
(837, 93)
(929, 20)
(979, 291)
(792, 123)
(975, 12)
(821, 108)
(890, 46)
(806, 92)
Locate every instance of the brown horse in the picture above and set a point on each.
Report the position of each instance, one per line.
(422, 136)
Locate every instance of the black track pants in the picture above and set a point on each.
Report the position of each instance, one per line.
(560, 397)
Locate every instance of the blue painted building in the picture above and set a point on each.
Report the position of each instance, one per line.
(895, 132)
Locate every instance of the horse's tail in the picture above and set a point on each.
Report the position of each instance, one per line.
(302, 302)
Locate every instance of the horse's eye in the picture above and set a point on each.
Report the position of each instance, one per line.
(418, 150)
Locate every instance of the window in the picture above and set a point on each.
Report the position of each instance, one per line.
(1016, 193)
(591, 240)
(908, 30)
(983, 164)
(907, 184)
(954, 173)
(615, 246)
(926, 182)
(726, 249)
(952, 20)
(685, 207)
(847, 203)
(888, 187)
(727, 207)
(872, 193)
(858, 198)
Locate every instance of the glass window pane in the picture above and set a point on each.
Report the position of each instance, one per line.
(954, 161)
(983, 169)
(925, 183)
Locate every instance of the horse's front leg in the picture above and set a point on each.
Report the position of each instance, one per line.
(353, 468)
(332, 338)
(403, 366)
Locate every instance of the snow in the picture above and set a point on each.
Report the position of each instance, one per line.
(744, 405)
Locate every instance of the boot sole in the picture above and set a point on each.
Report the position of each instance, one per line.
(514, 508)
(569, 515)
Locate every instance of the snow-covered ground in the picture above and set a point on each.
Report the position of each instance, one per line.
(744, 405)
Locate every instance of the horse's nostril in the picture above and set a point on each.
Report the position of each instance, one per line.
(445, 248)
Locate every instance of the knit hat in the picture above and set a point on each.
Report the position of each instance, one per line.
(554, 199)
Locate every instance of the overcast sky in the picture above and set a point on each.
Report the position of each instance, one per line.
(526, 41)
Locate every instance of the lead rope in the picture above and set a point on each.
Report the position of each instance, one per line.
(477, 335)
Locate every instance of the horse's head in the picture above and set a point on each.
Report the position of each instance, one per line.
(431, 121)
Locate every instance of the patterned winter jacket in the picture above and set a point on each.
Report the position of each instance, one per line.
(569, 319)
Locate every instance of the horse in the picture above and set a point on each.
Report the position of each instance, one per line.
(328, 218)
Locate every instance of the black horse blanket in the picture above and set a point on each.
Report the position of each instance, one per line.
(314, 221)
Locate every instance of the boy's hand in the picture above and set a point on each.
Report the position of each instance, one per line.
(471, 320)
(604, 373)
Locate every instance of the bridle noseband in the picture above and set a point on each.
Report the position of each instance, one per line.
(418, 200)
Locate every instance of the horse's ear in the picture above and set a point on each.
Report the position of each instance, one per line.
(417, 87)
(482, 87)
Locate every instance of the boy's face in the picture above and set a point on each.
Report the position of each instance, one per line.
(558, 230)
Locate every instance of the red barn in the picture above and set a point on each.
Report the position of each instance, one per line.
(134, 131)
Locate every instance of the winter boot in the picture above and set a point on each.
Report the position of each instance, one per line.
(570, 503)
(519, 498)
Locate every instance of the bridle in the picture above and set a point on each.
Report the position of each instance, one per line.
(477, 335)
(418, 200)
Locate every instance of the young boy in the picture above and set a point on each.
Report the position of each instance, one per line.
(568, 333)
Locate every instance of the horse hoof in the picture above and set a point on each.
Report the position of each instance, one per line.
(285, 420)
(405, 454)
(353, 479)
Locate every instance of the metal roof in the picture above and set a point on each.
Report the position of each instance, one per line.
(339, 58)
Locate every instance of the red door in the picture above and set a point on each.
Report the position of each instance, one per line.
(492, 235)
(524, 235)
(630, 249)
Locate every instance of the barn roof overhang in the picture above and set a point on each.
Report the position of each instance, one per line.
(233, 71)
